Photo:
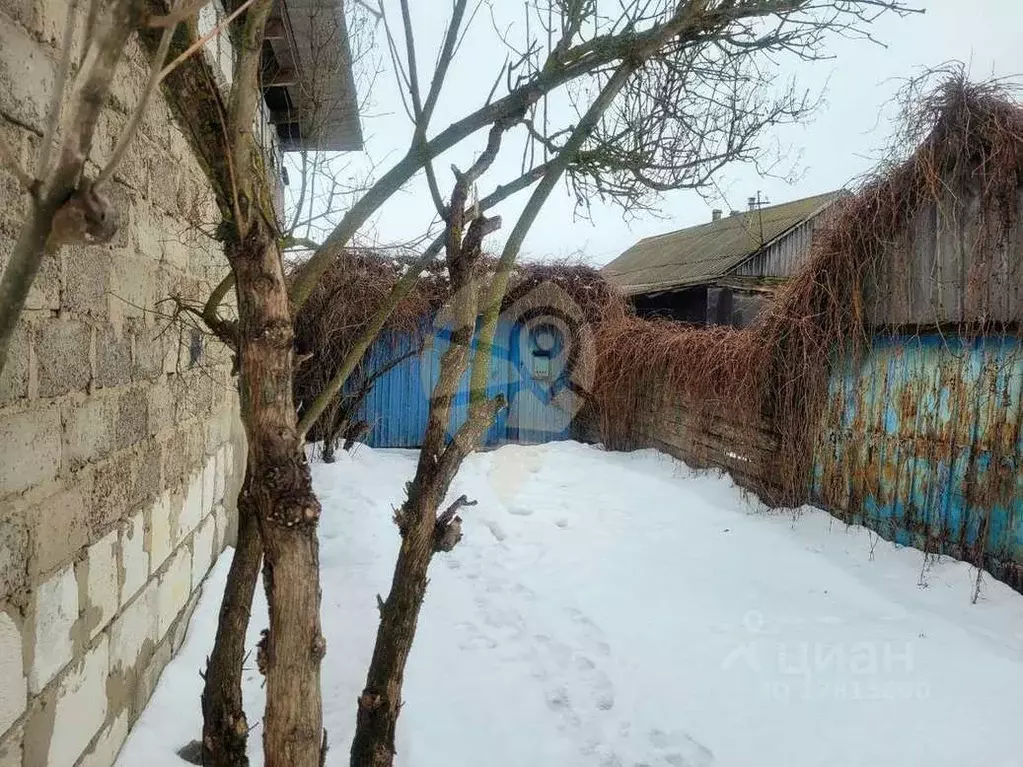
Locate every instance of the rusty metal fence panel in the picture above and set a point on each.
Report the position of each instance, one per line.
(922, 441)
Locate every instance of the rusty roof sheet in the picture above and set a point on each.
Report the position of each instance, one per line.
(701, 254)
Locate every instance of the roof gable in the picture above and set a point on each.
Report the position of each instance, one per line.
(700, 254)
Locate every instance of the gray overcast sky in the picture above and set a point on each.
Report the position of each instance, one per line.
(839, 143)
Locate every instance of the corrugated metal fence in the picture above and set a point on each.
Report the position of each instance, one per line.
(922, 441)
(528, 366)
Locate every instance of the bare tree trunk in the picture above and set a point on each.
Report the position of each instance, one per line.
(279, 492)
(422, 531)
(225, 729)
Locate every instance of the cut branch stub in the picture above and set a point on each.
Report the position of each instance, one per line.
(447, 531)
(86, 218)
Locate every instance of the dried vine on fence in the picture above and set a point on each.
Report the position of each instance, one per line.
(967, 162)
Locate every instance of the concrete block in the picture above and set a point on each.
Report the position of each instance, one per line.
(127, 86)
(160, 406)
(14, 377)
(160, 518)
(203, 552)
(121, 198)
(63, 353)
(220, 474)
(192, 512)
(131, 288)
(223, 525)
(163, 183)
(111, 491)
(15, 549)
(104, 750)
(85, 288)
(178, 455)
(209, 481)
(174, 589)
(147, 472)
(48, 23)
(124, 482)
(108, 128)
(44, 295)
(11, 192)
(26, 77)
(134, 168)
(89, 428)
(29, 448)
(149, 676)
(59, 525)
(149, 232)
(179, 630)
(152, 347)
(113, 357)
(134, 556)
(101, 579)
(81, 706)
(132, 416)
(133, 633)
(54, 611)
(157, 123)
(13, 685)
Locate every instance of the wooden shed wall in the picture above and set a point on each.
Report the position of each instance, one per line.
(946, 269)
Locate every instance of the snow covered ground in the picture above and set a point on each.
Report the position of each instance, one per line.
(618, 609)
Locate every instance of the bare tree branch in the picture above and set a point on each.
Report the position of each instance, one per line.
(67, 208)
(128, 133)
(57, 95)
(198, 44)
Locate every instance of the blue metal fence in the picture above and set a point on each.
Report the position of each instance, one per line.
(923, 440)
(532, 379)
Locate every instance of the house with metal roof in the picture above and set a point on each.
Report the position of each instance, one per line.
(720, 272)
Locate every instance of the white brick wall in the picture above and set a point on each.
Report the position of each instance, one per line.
(113, 467)
(192, 511)
(175, 587)
(134, 557)
(13, 686)
(105, 750)
(55, 610)
(160, 542)
(202, 549)
(135, 626)
(81, 707)
(209, 480)
(102, 583)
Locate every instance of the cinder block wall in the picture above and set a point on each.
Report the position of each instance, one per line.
(120, 453)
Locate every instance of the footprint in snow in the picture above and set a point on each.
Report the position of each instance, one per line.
(495, 530)
(591, 631)
(678, 749)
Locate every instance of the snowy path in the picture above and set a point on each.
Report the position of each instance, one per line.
(610, 609)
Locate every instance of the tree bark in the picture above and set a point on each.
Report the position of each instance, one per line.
(422, 533)
(225, 729)
(380, 702)
(280, 494)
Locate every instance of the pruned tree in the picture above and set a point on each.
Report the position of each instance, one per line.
(684, 97)
(665, 92)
